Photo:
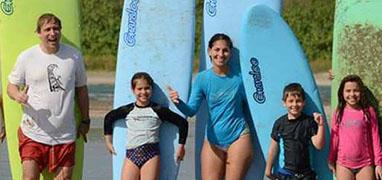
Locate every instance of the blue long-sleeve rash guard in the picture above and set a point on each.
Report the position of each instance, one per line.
(225, 97)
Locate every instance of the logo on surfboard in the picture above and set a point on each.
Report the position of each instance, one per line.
(259, 94)
(132, 11)
(211, 7)
(7, 7)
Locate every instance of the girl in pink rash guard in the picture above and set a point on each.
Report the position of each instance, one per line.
(355, 147)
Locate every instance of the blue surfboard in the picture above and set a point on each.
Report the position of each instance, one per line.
(224, 16)
(156, 37)
(271, 57)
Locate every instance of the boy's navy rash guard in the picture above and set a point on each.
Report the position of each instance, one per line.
(297, 137)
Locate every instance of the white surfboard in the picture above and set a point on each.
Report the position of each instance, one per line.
(224, 16)
(271, 58)
(156, 37)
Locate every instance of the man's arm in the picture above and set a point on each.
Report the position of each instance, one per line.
(16, 94)
(83, 101)
(83, 104)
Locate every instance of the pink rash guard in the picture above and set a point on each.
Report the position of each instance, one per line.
(355, 142)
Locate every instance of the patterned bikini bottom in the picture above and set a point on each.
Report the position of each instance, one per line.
(141, 154)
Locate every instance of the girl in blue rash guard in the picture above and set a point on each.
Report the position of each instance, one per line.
(227, 150)
(143, 119)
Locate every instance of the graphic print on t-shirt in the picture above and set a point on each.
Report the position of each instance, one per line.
(55, 83)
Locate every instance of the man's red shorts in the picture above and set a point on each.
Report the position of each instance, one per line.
(51, 156)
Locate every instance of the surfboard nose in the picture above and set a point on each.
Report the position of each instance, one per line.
(275, 5)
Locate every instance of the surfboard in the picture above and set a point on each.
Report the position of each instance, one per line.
(357, 46)
(270, 58)
(17, 28)
(156, 37)
(1, 110)
(1, 97)
(224, 16)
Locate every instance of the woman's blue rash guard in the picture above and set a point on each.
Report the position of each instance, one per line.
(225, 97)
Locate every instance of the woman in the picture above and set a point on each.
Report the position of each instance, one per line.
(227, 149)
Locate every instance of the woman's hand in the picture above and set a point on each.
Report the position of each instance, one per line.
(180, 153)
(174, 96)
(109, 144)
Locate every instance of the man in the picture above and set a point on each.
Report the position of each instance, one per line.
(45, 80)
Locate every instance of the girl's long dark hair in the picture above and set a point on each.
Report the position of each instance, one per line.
(363, 103)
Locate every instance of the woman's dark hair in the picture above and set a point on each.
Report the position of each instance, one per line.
(363, 102)
(220, 36)
(141, 75)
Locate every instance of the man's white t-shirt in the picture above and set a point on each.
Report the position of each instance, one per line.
(51, 79)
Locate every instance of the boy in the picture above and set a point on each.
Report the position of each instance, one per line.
(297, 130)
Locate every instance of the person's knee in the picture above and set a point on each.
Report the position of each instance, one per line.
(67, 176)
(30, 170)
(30, 175)
(64, 173)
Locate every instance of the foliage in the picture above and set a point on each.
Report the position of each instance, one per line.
(312, 22)
(100, 31)
(198, 34)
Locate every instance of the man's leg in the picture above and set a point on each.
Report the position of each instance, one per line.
(30, 170)
(65, 154)
(64, 173)
(32, 157)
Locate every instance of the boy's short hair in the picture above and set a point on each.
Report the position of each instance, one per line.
(293, 89)
(45, 18)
